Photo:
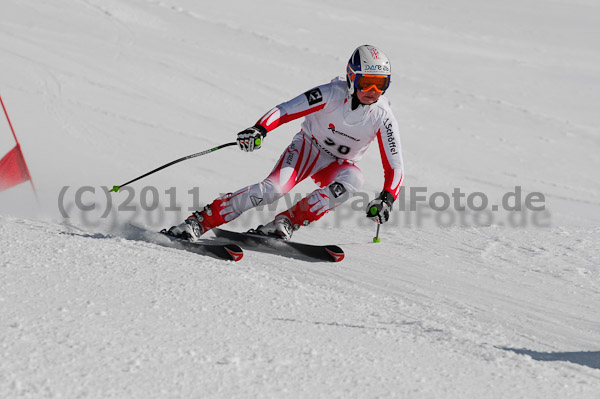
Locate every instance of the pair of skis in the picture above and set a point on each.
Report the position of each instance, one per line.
(232, 248)
(232, 244)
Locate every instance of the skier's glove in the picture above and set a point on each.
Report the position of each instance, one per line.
(251, 138)
(378, 210)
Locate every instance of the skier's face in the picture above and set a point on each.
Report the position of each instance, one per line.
(368, 97)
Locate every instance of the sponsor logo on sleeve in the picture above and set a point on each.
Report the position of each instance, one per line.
(314, 96)
(390, 136)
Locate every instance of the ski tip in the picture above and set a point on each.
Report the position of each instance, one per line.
(115, 189)
(337, 254)
(235, 251)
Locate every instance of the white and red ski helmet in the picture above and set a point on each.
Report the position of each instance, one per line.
(368, 68)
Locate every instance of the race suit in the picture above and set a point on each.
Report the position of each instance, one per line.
(333, 138)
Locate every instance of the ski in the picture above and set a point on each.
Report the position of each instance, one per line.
(212, 248)
(260, 243)
(225, 251)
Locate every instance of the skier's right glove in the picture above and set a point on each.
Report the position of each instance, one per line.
(378, 210)
(251, 138)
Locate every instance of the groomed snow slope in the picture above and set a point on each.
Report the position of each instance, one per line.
(489, 97)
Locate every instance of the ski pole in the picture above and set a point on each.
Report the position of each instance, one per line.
(116, 188)
(374, 210)
(376, 238)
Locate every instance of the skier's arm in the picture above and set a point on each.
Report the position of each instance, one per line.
(306, 103)
(378, 210)
(391, 157)
(302, 105)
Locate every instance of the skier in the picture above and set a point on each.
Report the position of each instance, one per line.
(342, 118)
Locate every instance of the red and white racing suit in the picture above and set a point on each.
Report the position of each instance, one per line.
(332, 139)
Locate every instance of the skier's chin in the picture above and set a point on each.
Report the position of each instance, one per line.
(368, 98)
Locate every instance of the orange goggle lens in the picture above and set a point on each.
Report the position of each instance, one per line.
(372, 82)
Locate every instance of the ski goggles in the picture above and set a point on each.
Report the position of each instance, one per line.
(379, 83)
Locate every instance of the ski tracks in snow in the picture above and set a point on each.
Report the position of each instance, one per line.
(163, 317)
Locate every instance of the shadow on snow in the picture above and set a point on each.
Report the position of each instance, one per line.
(589, 359)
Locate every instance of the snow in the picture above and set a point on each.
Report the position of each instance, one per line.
(450, 304)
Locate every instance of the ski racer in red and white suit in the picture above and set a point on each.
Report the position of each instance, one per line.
(336, 131)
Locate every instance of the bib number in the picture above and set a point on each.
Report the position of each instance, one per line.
(342, 149)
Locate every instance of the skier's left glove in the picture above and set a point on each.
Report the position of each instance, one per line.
(251, 138)
(378, 210)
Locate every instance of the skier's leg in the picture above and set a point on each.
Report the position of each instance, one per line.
(215, 214)
(295, 164)
(339, 181)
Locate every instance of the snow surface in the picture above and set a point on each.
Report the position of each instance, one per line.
(489, 96)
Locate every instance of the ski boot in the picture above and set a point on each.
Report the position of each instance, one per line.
(212, 215)
(281, 227)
